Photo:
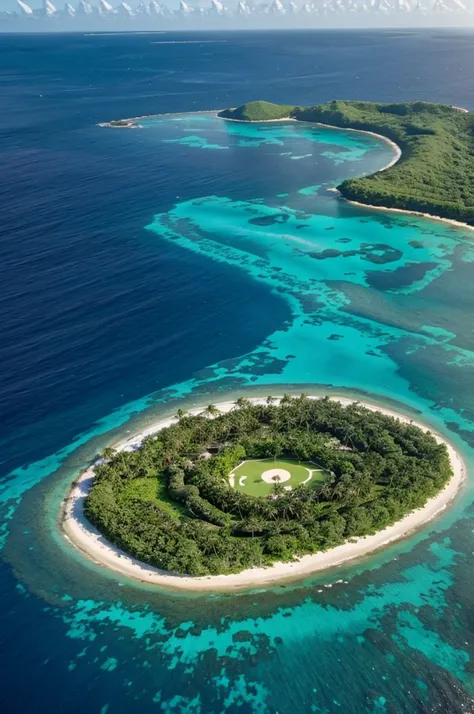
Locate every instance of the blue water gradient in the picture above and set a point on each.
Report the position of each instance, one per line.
(215, 258)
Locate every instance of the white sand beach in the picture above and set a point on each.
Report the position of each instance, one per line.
(397, 156)
(87, 538)
(398, 152)
(385, 139)
(392, 162)
(256, 121)
(450, 221)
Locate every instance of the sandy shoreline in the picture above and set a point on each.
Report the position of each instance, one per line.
(449, 221)
(398, 153)
(84, 536)
(385, 139)
(392, 162)
(255, 121)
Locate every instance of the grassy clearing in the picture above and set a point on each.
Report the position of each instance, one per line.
(247, 477)
(153, 490)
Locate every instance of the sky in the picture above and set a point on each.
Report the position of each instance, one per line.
(454, 19)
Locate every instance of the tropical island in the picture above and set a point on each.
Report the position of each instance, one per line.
(252, 483)
(435, 173)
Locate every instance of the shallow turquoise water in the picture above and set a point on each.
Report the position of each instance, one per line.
(379, 306)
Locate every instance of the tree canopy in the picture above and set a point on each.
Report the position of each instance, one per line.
(258, 111)
(170, 504)
(435, 173)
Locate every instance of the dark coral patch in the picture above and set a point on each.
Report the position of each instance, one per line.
(399, 278)
(378, 253)
(269, 220)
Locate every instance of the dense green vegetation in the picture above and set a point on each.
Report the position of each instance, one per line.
(258, 111)
(436, 171)
(170, 504)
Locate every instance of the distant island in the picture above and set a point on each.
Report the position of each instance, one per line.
(435, 174)
(120, 124)
(262, 481)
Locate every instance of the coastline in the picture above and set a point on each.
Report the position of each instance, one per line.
(256, 121)
(86, 538)
(130, 124)
(395, 147)
(392, 162)
(449, 221)
(396, 158)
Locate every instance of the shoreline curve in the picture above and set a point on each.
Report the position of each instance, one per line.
(86, 538)
(131, 124)
(392, 162)
(449, 221)
(385, 139)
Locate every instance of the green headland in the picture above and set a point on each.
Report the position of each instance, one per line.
(435, 173)
(218, 493)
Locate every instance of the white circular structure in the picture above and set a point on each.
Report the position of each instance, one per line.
(276, 476)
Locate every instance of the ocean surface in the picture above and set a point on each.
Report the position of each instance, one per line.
(189, 260)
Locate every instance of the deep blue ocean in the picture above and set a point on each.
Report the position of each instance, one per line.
(189, 260)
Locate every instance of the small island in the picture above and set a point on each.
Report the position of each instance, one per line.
(256, 482)
(120, 124)
(435, 174)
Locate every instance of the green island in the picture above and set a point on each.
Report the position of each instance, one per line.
(435, 173)
(218, 493)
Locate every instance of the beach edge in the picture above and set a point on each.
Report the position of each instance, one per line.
(81, 534)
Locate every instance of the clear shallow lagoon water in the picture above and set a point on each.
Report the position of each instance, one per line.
(190, 260)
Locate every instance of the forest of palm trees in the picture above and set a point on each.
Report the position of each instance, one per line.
(170, 504)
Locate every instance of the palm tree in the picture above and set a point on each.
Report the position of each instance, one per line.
(180, 414)
(340, 490)
(254, 523)
(242, 402)
(287, 507)
(211, 410)
(107, 453)
(326, 491)
(277, 486)
(270, 400)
